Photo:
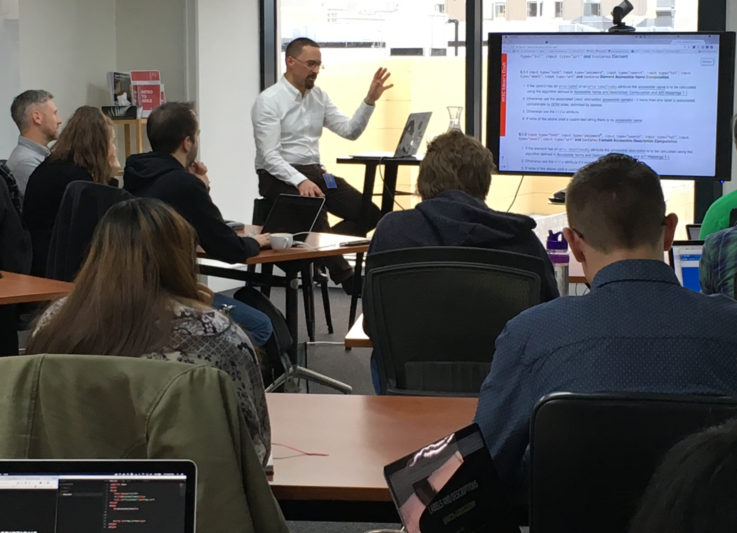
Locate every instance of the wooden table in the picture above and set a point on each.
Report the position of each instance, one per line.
(360, 434)
(18, 289)
(292, 261)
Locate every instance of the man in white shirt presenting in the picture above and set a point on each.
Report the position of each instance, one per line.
(288, 119)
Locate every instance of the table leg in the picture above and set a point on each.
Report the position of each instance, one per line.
(292, 308)
(357, 289)
(139, 137)
(390, 187)
(308, 296)
(368, 192)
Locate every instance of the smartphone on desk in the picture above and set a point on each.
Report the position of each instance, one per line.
(362, 242)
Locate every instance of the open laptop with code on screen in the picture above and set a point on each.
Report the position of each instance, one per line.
(153, 496)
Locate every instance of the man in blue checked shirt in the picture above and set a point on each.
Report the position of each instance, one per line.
(637, 330)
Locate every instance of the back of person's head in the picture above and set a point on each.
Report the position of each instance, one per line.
(87, 141)
(23, 104)
(695, 488)
(294, 49)
(142, 259)
(455, 161)
(616, 203)
(170, 125)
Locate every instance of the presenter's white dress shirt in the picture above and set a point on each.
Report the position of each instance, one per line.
(288, 126)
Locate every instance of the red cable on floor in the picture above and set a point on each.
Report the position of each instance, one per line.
(300, 451)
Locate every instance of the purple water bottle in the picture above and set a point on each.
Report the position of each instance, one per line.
(557, 248)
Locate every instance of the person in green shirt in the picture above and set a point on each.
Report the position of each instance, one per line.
(718, 215)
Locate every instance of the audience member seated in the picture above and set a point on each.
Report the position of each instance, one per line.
(694, 489)
(36, 116)
(718, 215)
(137, 296)
(454, 180)
(85, 151)
(637, 331)
(718, 265)
(171, 173)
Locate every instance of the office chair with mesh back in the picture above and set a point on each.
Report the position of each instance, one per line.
(310, 276)
(592, 455)
(434, 314)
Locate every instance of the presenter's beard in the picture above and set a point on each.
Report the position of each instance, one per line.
(310, 82)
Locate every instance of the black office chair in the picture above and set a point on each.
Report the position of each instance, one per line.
(434, 314)
(261, 209)
(82, 207)
(592, 455)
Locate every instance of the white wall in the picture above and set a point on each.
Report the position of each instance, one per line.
(9, 72)
(63, 46)
(67, 47)
(228, 77)
(157, 41)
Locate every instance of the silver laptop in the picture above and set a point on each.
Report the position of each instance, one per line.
(154, 496)
(409, 142)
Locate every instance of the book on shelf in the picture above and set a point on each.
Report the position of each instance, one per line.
(119, 85)
(147, 91)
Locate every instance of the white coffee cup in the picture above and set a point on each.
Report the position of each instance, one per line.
(281, 241)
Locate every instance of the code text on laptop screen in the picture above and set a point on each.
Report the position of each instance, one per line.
(74, 503)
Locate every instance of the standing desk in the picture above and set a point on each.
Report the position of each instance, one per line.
(391, 168)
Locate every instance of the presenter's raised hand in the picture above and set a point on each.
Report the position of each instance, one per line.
(307, 188)
(378, 86)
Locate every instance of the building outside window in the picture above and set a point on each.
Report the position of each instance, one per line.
(592, 9)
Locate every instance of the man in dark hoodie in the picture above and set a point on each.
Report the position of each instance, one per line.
(454, 180)
(170, 173)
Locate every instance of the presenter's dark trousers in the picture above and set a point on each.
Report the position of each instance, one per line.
(344, 201)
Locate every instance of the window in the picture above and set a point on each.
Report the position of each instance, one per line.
(414, 39)
(559, 10)
(532, 9)
(591, 9)
(500, 10)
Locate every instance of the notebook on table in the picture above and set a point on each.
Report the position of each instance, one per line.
(450, 486)
(150, 496)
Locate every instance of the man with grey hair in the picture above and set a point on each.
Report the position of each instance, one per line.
(37, 119)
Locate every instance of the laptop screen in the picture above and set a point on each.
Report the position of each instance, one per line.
(685, 258)
(293, 214)
(75, 501)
